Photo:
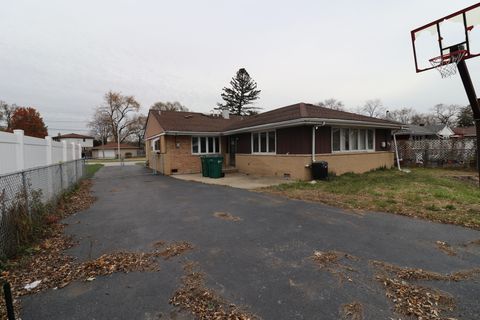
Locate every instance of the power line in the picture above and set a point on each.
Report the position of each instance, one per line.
(68, 129)
(84, 121)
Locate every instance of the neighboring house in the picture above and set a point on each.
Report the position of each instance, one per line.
(422, 132)
(464, 132)
(85, 141)
(110, 151)
(282, 142)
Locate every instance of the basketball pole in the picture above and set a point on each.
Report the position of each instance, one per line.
(474, 104)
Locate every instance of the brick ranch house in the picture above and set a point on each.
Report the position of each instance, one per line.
(281, 142)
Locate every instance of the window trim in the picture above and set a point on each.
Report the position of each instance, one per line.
(199, 153)
(366, 150)
(259, 143)
(153, 143)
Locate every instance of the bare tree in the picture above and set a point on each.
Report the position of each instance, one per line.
(423, 119)
(100, 126)
(403, 115)
(332, 104)
(116, 111)
(168, 106)
(137, 129)
(6, 112)
(445, 114)
(374, 108)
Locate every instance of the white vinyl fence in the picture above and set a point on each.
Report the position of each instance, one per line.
(19, 152)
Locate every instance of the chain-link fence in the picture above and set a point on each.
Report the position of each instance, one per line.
(20, 191)
(439, 152)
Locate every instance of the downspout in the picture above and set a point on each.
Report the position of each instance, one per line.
(314, 130)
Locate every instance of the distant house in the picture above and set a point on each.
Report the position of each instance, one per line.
(283, 142)
(110, 151)
(422, 132)
(464, 132)
(85, 141)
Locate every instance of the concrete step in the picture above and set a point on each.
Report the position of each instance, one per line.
(229, 170)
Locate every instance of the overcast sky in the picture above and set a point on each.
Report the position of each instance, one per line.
(62, 56)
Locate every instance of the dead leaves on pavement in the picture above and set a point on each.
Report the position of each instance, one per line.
(79, 200)
(445, 248)
(412, 299)
(226, 216)
(334, 262)
(352, 311)
(202, 302)
(173, 249)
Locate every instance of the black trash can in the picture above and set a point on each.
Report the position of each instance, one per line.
(320, 170)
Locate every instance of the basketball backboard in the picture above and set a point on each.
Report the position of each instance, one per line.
(435, 41)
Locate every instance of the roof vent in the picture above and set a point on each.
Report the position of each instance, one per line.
(188, 116)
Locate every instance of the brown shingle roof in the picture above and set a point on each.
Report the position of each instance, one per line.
(303, 110)
(113, 145)
(192, 121)
(73, 136)
(198, 122)
(465, 131)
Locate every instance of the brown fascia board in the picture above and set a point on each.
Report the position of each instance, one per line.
(313, 121)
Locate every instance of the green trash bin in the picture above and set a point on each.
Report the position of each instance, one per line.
(204, 160)
(215, 164)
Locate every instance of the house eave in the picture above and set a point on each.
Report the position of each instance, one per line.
(313, 121)
(193, 133)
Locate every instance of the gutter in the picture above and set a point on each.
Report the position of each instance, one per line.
(313, 121)
(155, 136)
(288, 123)
(192, 133)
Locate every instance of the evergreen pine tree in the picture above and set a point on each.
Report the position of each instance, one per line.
(242, 93)
(465, 117)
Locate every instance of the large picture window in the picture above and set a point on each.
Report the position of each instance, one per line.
(352, 139)
(264, 142)
(205, 145)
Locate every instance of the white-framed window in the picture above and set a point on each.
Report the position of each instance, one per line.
(353, 139)
(156, 144)
(264, 142)
(205, 145)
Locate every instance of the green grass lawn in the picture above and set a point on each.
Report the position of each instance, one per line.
(92, 169)
(448, 196)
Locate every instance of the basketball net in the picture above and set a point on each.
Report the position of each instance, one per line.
(447, 64)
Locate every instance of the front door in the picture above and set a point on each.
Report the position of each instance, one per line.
(233, 149)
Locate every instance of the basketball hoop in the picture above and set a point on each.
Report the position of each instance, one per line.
(447, 63)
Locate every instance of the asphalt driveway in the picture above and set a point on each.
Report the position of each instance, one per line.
(261, 262)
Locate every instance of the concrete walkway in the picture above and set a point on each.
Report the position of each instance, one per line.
(235, 180)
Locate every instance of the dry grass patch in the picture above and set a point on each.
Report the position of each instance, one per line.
(431, 194)
(202, 302)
